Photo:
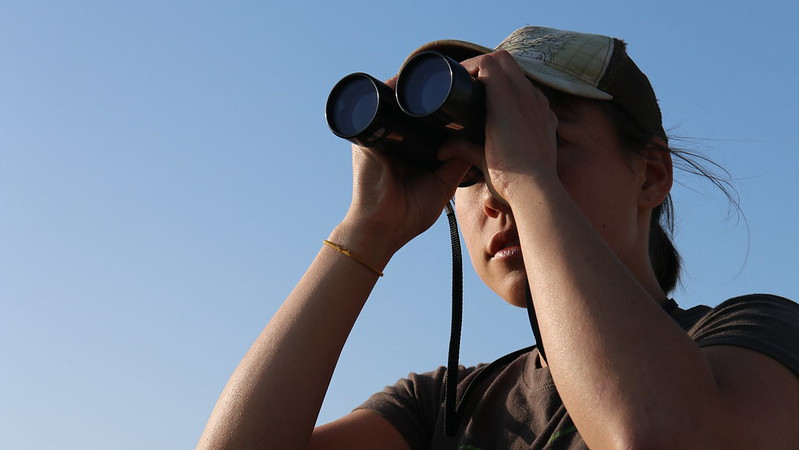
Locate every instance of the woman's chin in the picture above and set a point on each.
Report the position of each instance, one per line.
(513, 289)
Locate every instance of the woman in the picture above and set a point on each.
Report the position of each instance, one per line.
(562, 203)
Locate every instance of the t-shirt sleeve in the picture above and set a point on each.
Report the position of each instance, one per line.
(411, 405)
(767, 324)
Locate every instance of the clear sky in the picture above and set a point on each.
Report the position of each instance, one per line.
(166, 175)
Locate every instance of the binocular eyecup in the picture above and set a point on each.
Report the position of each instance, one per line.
(435, 99)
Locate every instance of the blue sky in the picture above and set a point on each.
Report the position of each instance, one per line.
(166, 175)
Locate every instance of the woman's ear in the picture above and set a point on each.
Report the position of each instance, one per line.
(658, 174)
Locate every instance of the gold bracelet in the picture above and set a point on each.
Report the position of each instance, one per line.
(348, 253)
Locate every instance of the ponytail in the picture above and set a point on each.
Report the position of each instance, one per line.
(663, 256)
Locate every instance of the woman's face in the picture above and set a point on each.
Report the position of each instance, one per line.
(602, 180)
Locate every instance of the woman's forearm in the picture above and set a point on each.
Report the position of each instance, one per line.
(622, 366)
(273, 398)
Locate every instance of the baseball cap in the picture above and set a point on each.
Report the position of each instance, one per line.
(586, 65)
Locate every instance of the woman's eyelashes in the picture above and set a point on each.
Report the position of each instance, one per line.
(473, 176)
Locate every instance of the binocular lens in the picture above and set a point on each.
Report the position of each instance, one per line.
(434, 98)
(354, 105)
(426, 85)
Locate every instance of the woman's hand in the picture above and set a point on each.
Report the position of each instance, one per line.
(395, 200)
(520, 128)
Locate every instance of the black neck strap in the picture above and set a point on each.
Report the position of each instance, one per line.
(452, 415)
(451, 418)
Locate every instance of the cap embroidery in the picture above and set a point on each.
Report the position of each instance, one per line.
(533, 44)
(582, 56)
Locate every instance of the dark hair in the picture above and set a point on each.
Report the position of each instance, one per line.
(663, 256)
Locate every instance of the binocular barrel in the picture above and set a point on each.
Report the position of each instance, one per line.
(435, 98)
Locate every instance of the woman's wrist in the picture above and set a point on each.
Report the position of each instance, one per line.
(521, 189)
(370, 242)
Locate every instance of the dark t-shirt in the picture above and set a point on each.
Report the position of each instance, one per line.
(513, 404)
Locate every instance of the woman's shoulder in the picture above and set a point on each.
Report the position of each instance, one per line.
(750, 308)
(765, 323)
(733, 309)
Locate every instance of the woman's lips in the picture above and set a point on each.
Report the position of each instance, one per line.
(504, 244)
(509, 251)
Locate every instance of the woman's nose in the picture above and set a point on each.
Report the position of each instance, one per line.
(493, 204)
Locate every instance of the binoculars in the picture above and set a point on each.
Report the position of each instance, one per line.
(435, 99)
